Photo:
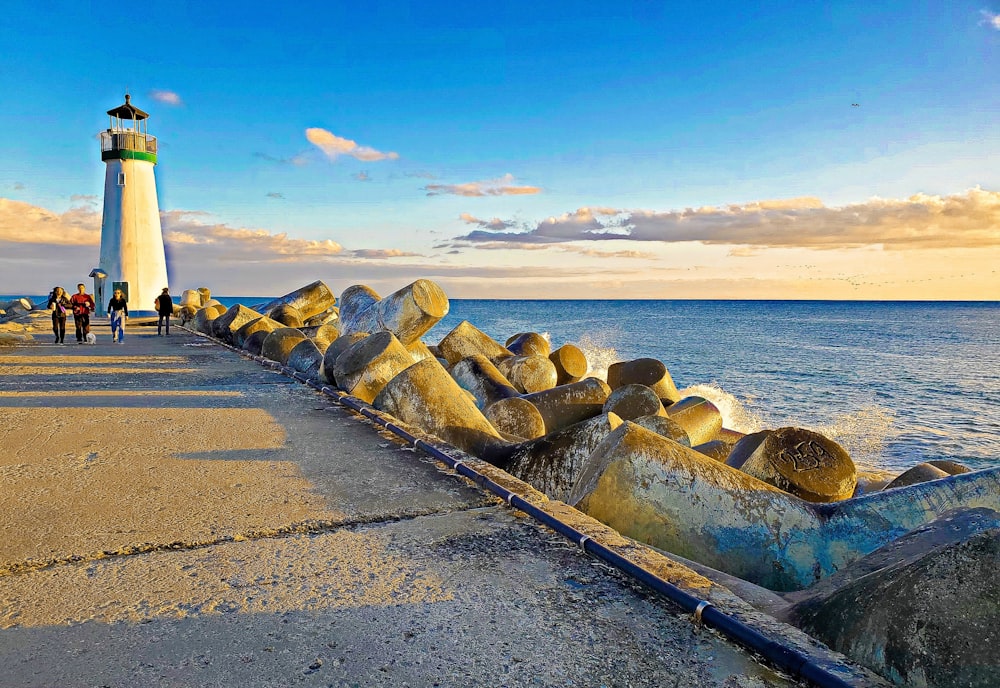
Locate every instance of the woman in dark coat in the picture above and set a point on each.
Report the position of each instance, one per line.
(59, 305)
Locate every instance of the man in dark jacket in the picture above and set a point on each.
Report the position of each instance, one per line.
(165, 308)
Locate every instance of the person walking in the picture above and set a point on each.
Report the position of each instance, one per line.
(60, 305)
(118, 312)
(83, 306)
(165, 308)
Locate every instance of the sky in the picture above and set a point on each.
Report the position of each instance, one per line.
(603, 150)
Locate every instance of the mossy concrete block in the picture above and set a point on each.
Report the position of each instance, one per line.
(426, 396)
(644, 371)
(570, 362)
(804, 463)
(529, 374)
(279, 344)
(528, 344)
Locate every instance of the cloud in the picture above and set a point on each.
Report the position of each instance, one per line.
(966, 220)
(990, 19)
(382, 253)
(334, 146)
(495, 224)
(23, 223)
(298, 160)
(275, 194)
(18, 186)
(235, 244)
(492, 187)
(166, 97)
(362, 177)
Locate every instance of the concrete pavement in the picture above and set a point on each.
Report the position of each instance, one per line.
(173, 514)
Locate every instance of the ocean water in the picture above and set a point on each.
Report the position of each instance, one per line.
(895, 383)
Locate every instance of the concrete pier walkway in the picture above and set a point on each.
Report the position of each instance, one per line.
(172, 514)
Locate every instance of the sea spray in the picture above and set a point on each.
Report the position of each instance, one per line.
(599, 356)
(863, 433)
(739, 415)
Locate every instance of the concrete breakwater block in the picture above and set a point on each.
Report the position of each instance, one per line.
(254, 344)
(261, 324)
(528, 374)
(515, 418)
(698, 508)
(287, 315)
(202, 321)
(426, 396)
(633, 401)
(365, 367)
(306, 358)
(528, 344)
(644, 371)
(929, 470)
(408, 313)
(191, 298)
(570, 362)
(224, 327)
(465, 340)
(666, 427)
(278, 344)
(333, 352)
(799, 461)
(921, 611)
(699, 417)
(552, 463)
(312, 299)
(321, 335)
(356, 298)
(478, 376)
(571, 403)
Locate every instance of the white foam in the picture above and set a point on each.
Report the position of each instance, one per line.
(737, 414)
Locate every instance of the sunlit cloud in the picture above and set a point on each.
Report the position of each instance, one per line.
(239, 243)
(990, 19)
(85, 198)
(504, 186)
(334, 146)
(495, 224)
(166, 97)
(23, 223)
(967, 220)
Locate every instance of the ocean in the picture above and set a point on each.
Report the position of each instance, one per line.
(895, 383)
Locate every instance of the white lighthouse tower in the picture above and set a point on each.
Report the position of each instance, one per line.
(132, 256)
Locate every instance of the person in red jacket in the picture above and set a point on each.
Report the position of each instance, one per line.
(83, 306)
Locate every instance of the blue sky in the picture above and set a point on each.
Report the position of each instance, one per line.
(603, 150)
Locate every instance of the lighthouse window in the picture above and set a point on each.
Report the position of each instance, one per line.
(121, 179)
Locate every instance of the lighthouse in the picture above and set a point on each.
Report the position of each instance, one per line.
(132, 256)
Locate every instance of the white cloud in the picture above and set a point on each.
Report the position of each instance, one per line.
(503, 186)
(334, 146)
(166, 97)
(990, 19)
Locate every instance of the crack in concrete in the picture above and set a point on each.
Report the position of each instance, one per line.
(309, 527)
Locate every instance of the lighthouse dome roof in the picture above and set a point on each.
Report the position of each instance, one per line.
(128, 111)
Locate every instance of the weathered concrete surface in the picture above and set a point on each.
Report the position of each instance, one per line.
(922, 610)
(674, 498)
(173, 514)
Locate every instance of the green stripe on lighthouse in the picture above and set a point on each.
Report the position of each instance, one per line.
(128, 155)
